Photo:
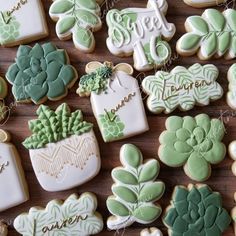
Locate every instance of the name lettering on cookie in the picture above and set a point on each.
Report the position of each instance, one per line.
(3, 166)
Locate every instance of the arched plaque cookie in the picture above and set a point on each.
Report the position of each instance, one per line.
(63, 148)
(204, 3)
(140, 32)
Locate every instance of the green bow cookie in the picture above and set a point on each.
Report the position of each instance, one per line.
(194, 143)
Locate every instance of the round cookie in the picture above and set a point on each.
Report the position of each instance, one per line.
(151, 232)
(204, 3)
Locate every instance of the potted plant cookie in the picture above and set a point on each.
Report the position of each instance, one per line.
(63, 148)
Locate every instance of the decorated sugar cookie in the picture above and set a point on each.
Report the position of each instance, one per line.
(182, 88)
(3, 94)
(151, 232)
(3, 229)
(232, 154)
(233, 215)
(115, 98)
(77, 19)
(40, 73)
(193, 142)
(135, 190)
(76, 216)
(11, 171)
(212, 34)
(140, 32)
(204, 3)
(15, 26)
(63, 148)
(196, 210)
(231, 95)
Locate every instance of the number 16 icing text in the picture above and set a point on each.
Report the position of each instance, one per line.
(139, 31)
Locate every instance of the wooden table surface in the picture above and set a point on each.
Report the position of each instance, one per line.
(222, 179)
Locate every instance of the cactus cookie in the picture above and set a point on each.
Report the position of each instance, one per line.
(193, 142)
(196, 210)
(75, 216)
(77, 19)
(182, 88)
(204, 3)
(135, 190)
(151, 232)
(15, 26)
(63, 148)
(141, 32)
(212, 34)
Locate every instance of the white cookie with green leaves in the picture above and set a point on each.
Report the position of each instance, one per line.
(76, 216)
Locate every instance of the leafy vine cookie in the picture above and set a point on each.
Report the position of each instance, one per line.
(3, 229)
(135, 190)
(139, 32)
(212, 34)
(11, 171)
(204, 3)
(196, 210)
(233, 215)
(182, 88)
(63, 148)
(231, 95)
(151, 232)
(192, 142)
(76, 216)
(15, 26)
(115, 99)
(232, 154)
(77, 19)
(40, 73)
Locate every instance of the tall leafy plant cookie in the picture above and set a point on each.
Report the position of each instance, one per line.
(192, 142)
(135, 190)
(41, 72)
(77, 19)
(212, 34)
(196, 210)
(75, 216)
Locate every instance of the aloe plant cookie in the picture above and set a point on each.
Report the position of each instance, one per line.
(77, 19)
(182, 88)
(75, 216)
(196, 210)
(63, 148)
(204, 3)
(135, 190)
(151, 232)
(212, 34)
(192, 142)
(41, 72)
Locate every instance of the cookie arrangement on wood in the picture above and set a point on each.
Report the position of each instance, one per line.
(63, 147)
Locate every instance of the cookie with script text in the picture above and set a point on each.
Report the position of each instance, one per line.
(40, 73)
(193, 142)
(11, 171)
(182, 88)
(210, 35)
(151, 232)
(75, 216)
(63, 148)
(141, 32)
(15, 26)
(116, 100)
(77, 19)
(204, 3)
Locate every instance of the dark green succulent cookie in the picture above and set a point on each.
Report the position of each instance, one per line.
(41, 73)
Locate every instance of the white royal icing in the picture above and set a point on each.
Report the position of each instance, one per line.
(151, 232)
(231, 95)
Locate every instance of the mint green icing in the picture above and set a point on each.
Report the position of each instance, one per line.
(194, 142)
(53, 126)
(196, 211)
(40, 72)
(135, 190)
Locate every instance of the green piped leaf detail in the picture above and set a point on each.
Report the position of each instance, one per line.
(117, 208)
(149, 171)
(61, 6)
(124, 194)
(132, 156)
(147, 213)
(124, 176)
(83, 37)
(66, 24)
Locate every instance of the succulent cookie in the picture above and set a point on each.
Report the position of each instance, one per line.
(192, 142)
(41, 73)
(204, 3)
(135, 190)
(76, 216)
(77, 19)
(233, 215)
(151, 232)
(182, 88)
(16, 192)
(232, 154)
(196, 210)
(15, 26)
(231, 95)
(63, 148)
(212, 34)
(139, 32)
(115, 99)
(3, 229)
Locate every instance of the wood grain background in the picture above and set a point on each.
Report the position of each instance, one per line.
(222, 179)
